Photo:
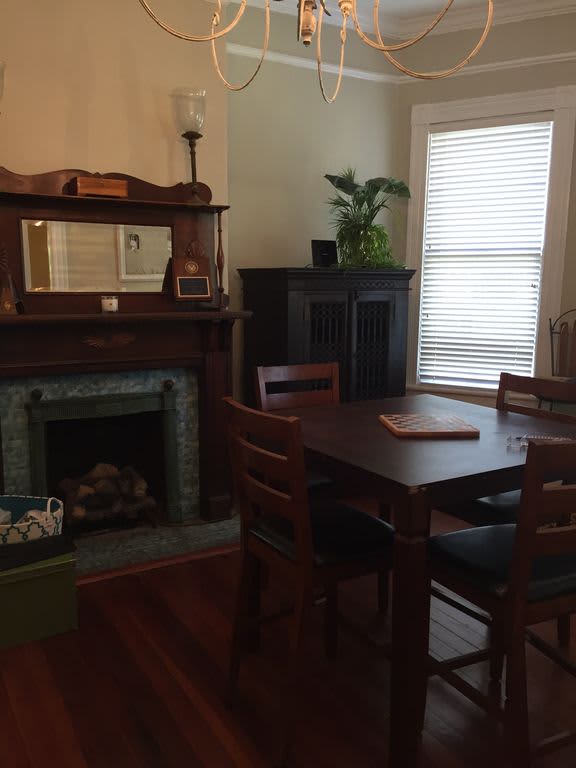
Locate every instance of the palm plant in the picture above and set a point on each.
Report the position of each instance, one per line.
(361, 242)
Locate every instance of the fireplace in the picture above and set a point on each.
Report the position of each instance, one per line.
(61, 426)
(136, 353)
(114, 458)
(61, 331)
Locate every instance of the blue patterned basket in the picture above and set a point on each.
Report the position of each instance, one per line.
(31, 517)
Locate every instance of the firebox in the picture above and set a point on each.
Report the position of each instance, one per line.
(113, 456)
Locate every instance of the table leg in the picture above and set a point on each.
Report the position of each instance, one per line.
(410, 629)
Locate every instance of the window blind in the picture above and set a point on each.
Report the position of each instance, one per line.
(484, 229)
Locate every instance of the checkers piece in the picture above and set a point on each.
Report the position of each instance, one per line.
(423, 425)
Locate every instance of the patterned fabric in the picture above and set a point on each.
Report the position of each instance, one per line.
(31, 517)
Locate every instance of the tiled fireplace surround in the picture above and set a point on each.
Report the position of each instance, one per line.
(87, 356)
(171, 393)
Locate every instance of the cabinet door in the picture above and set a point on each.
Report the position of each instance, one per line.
(326, 335)
(372, 321)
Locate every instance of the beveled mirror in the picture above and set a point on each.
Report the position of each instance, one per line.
(80, 256)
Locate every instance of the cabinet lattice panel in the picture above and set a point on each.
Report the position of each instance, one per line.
(372, 340)
(327, 330)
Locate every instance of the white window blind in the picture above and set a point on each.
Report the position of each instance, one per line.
(484, 232)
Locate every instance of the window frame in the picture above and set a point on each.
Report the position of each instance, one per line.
(560, 106)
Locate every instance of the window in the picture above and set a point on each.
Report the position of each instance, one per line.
(484, 237)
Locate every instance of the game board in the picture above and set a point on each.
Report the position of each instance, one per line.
(423, 425)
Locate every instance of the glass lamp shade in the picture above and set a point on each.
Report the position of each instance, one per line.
(189, 109)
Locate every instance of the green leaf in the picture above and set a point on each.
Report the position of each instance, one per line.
(389, 186)
(343, 183)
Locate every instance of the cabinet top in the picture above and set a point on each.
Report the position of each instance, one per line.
(302, 278)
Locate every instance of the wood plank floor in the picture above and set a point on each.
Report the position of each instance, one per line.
(140, 685)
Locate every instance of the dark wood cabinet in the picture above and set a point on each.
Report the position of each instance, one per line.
(358, 318)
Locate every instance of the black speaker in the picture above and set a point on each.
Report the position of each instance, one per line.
(324, 253)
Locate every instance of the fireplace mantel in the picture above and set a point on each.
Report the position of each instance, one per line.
(62, 344)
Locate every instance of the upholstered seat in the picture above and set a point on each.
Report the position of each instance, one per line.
(499, 509)
(317, 483)
(340, 534)
(483, 556)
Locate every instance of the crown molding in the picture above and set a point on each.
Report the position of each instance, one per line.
(505, 12)
(300, 62)
(567, 57)
(380, 77)
(457, 19)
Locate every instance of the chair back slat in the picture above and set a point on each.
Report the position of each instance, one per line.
(556, 541)
(264, 460)
(268, 500)
(542, 503)
(552, 390)
(295, 386)
(267, 458)
(556, 504)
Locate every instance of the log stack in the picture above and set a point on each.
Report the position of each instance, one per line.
(107, 495)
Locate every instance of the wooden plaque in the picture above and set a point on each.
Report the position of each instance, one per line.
(421, 425)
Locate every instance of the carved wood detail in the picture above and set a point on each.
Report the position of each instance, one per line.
(114, 341)
(58, 183)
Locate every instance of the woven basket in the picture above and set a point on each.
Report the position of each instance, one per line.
(31, 517)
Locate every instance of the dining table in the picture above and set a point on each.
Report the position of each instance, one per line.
(413, 475)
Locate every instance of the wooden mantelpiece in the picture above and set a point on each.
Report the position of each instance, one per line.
(56, 345)
(64, 332)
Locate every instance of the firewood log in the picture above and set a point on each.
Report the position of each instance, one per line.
(100, 470)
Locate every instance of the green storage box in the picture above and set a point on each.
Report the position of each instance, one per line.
(38, 600)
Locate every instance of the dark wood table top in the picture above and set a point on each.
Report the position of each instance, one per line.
(352, 435)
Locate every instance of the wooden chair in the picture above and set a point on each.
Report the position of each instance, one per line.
(519, 575)
(296, 386)
(503, 507)
(309, 545)
(300, 386)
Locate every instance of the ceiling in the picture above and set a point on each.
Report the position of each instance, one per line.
(403, 17)
(408, 8)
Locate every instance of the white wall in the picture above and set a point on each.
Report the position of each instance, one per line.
(87, 86)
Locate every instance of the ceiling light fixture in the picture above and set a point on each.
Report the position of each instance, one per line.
(310, 18)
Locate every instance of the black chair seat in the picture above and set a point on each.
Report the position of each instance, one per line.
(316, 482)
(482, 558)
(339, 533)
(489, 510)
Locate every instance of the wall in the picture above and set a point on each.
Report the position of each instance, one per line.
(88, 83)
(283, 138)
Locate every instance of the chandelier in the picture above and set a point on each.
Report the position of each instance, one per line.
(310, 18)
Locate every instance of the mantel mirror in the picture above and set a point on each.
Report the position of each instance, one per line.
(157, 249)
(81, 256)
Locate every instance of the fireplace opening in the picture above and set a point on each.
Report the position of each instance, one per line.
(109, 470)
(112, 458)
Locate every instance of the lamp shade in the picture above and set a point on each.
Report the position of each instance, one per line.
(189, 109)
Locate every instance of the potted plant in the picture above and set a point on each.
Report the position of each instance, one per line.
(359, 241)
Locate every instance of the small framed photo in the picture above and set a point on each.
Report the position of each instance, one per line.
(143, 252)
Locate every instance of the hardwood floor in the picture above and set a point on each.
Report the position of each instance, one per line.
(140, 685)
